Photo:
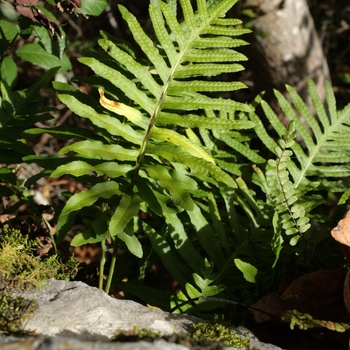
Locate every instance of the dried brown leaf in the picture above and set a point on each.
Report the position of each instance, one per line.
(319, 294)
(341, 232)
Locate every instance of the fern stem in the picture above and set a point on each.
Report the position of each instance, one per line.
(102, 264)
(145, 140)
(112, 266)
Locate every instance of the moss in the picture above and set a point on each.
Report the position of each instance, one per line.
(136, 334)
(210, 336)
(219, 331)
(13, 313)
(20, 269)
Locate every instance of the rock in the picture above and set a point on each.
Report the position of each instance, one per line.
(60, 343)
(73, 315)
(76, 309)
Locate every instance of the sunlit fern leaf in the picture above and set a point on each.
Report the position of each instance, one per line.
(176, 154)
(202, 45)
(325, 137)
(152, 116)
(328, 156)
(192, 120)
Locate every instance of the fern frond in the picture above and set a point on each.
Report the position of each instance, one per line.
(80, 168)
(178, 189)
(326, 153)
(108, 123)
(192, 121)
(331, 139)
(292, 216)
(182, 243)
(322, 161)
(206, 236)
(201, 45)
(157, 120)
(239, 147)
(170, 258)
(208, 70)
(175, 154)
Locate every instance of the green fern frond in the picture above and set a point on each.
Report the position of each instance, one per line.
(160, 132)
(192, 121)
(206, 236)
(80, 168)
(103, 121)
(190, 49)
(178, 189)
(322, 161)
(292, 216)
(197, 165)
(166, 91)
(325, 137)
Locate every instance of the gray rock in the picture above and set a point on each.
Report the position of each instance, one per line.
(61, 343)
(76, 309)
(66, 343)
(73, 315)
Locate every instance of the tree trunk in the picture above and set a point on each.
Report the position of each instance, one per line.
(285, 48)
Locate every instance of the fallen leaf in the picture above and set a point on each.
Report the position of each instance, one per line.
(341, 233)
(319, 294)
(44, 245)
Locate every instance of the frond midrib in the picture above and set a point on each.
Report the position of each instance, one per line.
(177, 64)
(316, 150)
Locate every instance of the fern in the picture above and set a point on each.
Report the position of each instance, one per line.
(151, 117)
(305, 321)
(325, 154)
(187, 49)
(294, 181)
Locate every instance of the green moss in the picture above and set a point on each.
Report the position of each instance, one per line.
(20, 269)
(136, 334)
(213, 335)
(219, 331)
(13, 313)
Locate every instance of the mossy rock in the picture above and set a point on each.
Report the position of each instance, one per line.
(213, 335)
(20, 269)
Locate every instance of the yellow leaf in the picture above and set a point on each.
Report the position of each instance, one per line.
(128, 112)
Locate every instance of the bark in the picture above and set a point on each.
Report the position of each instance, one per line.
(285, 48)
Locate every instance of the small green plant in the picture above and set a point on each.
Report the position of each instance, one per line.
(141, 162)
(136, 334)
(43, 44)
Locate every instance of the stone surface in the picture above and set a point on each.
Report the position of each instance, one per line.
(76, 309)
(60, 343)
(73, 315)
